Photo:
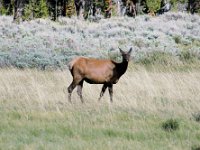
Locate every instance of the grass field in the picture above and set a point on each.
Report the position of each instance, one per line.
(163, 84)
(35, 113)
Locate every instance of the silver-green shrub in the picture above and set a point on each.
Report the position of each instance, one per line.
(43, 44)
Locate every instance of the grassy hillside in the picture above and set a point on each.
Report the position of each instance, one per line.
(35, 113)
(46, 44)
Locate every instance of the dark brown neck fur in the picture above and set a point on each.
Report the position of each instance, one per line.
(121, 68)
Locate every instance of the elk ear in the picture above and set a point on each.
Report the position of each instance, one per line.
(129, 52)
(121, 51)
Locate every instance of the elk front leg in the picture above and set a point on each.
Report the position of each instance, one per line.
(103, 90)
(110, 89)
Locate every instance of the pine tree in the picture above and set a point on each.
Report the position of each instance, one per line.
(29, 11)
(153, 5)
(41, 9)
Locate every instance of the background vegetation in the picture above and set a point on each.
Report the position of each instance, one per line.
(156, 103)
(46, 44)
(30, 9)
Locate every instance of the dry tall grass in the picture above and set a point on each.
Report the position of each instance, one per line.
(171, 93)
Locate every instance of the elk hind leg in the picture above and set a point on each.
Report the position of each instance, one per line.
(79, 90)
(70, 89)
(72, 86)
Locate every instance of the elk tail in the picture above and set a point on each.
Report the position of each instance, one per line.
(71, 63)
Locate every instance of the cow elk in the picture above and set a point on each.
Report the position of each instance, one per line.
(96, 71)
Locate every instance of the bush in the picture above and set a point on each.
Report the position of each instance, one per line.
(34, 59)
(197, 117)
(195, 147)
(31, 42)
(188, 56)
(177, 39)
(170, 125)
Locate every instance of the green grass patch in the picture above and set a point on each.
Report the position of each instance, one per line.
(158, 57)
(100, 130)
(163, 61)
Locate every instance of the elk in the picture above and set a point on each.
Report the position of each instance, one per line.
(96, 71)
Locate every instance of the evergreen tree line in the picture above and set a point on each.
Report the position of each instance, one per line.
(29, 9)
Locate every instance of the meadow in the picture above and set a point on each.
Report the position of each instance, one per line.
(35, 112)
(160, 85)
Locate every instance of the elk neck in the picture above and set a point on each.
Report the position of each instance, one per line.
(121, 67)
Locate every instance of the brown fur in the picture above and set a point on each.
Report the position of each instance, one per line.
(96, 71)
